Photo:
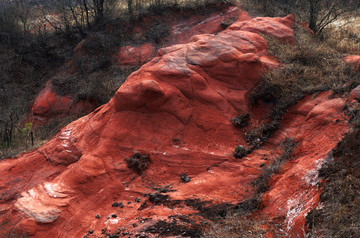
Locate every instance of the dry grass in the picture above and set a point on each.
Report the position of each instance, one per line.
(236, 226)
(309, 66)
(344, 35)
(22, 141)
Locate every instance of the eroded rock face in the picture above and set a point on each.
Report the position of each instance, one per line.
(48, 104)
(354, 60)
(176, 109)
(131, 55)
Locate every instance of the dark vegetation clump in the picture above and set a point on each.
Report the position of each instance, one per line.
(241, 120)
(158, 198)
(240, 151)
(175, 228)
(158, 31)
(138, 162)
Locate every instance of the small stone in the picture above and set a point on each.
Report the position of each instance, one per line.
(115, 204)
(97, 216)
(185, 178)
(114, 215)
(262, 165)
(121, 205)
(91, 231)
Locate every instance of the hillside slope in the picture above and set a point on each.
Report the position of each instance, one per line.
(164, 146)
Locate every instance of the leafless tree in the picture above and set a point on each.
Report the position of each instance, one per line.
(324, 12)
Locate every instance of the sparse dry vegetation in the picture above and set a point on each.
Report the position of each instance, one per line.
(309, 66)
(7, 230)
(238, 226)
(339, 215)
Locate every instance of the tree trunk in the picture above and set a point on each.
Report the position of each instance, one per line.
(130, 9)
(99, 10)
(86, 13)
(314, 13)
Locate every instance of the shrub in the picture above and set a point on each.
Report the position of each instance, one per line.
(241, 120)
(240, 151)
(138, 162)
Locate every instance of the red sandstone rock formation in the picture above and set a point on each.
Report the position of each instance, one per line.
(354, 60)
(132, 55)
(48, 104)
(176, 109)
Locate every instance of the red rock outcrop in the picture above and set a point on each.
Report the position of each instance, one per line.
(180, 32)
(176, 109)
(130, 55)
(354, 60)
(48, 104)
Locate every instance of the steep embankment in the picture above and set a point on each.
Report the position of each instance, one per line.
(163, 147)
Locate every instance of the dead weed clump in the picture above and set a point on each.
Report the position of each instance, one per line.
(138, 162)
